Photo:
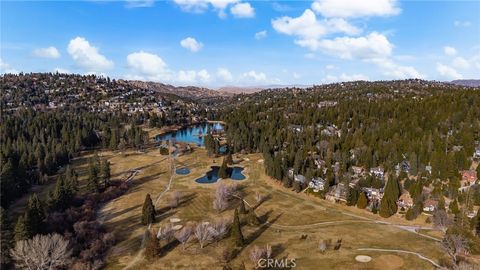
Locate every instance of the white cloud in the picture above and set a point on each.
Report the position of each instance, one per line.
(344, 78)
(308, 29)
(371, 46)
(139, 3)
(146, 63)
(462, 23)
(243, 10)
(356, 8)
(87, 56)
(204, 76)
(49, 52)
(396, 71)
(5, 68)
(261, 35)
(450, 51)
(188, 76)
(224, 74)
(200, 6)
(191, 44)
(460, 62)
(329, 67)
(256, 76)
(448, 72)
(296, 76)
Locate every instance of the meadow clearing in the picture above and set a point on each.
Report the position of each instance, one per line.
(289, 216)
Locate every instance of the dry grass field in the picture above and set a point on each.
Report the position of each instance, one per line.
(290, 216)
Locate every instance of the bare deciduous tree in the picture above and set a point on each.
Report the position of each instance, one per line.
(257, 253)
(454, 245)
(204, 233)
(441, 219)
(220, 228)
(222, 196)
(259, 197)
(165, 233)
(42, 252)
(184, 235)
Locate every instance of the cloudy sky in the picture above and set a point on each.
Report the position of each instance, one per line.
(241, 42)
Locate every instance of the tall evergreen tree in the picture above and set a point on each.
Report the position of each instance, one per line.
(35, 215)
(105, 173)
(5, 239)
(236, 231)
(21, 231)
(388, 204)
(362, 201)
(152, 245)
(92, 180)
(148, 211)
(223, 171)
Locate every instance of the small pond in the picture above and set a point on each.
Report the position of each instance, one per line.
(182, 171)
(192, 134)
(212, 175)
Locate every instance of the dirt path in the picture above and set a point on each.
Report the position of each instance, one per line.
(142, 245)
(406, 252)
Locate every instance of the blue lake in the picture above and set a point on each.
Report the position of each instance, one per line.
(182, 171)
(212, 175)
(193, 134)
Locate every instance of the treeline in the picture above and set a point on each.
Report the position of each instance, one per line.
(35, 144)
(438, 130)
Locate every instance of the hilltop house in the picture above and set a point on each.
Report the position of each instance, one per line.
(476, 154)
(299, 178)
(337, 193)
(377, 172)
(469, 177)
(373, 193)
(429, 205)
(357, 170)
(317, 184)
(405, 200)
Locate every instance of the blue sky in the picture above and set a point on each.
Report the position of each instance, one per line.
(236, 42)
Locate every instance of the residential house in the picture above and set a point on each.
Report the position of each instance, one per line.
(405, 200)
(377, 172)
(469, 177)
(357, 170)
(476, 154)
(337, 193)
(299, 178)
(429, 205)
(317, 184)
(373, 193)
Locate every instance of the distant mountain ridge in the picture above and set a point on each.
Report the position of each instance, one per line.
(469, 83)
(193, 92)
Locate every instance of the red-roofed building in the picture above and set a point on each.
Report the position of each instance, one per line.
(469, 177)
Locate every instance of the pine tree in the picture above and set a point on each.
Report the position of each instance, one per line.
(242, 208)
(223, 171)
(92, 184)
(229, 158)
(236, 231)
(362, 201)
(21, 231)
(252, 218)
(352, 196)
(6, 239)
(35, 215)
(105, 173)
(148, 211)
(152, 245)
(388, 204)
